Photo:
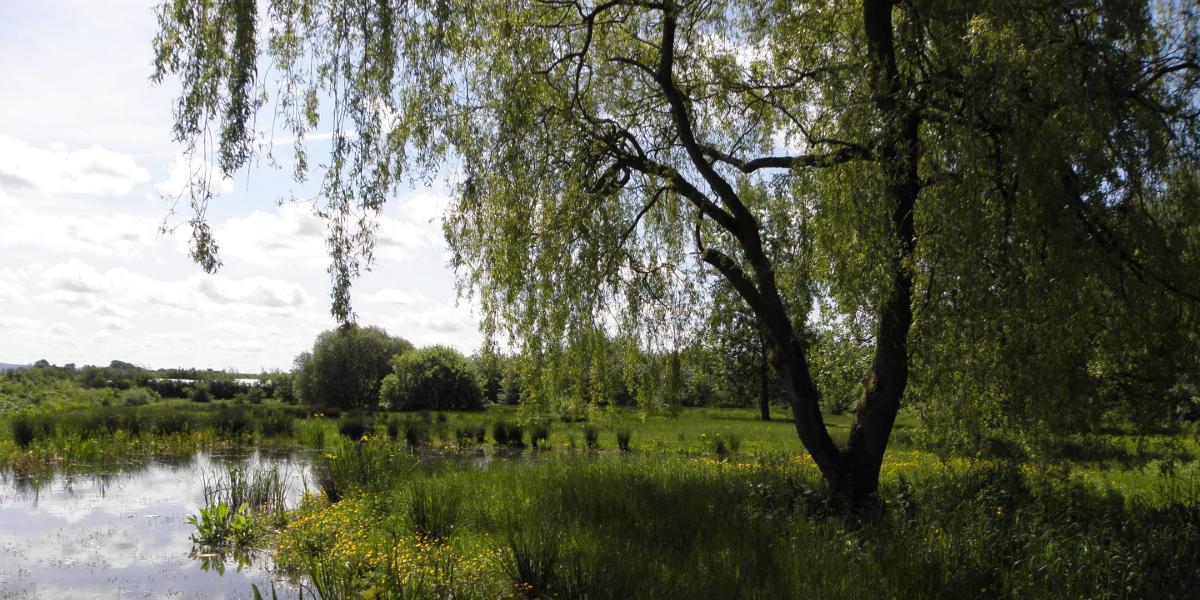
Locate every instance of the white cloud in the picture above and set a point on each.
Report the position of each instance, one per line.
(58, 169)
(74, 276)
(121, 234)
(395, 297)
(12, 289)
(186, 170)
(67, 298)
(254, 291)
(116, 323)
(289, 236)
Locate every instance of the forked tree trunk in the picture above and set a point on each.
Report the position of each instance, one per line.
(853, 470)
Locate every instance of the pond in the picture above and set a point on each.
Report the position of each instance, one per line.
(123, 532)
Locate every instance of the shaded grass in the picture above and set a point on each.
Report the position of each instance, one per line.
(644, 526)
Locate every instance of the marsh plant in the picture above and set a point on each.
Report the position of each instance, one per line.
(417, 434)
(623, 436)
(591, 437)
(509, 435)
(261, 489)
(363, 465)
(539, 435)
(532, 559)
(219, 526)
(434, 508)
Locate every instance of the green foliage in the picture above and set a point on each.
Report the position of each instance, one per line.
(1003, 191)
(511, 435)
(623, 437)
(539, 435)
(354, 427)
(219, 526)
(432, 378)
(434, 509)
(356, 466)
(27, 427)
(591, 437)
(345, 367)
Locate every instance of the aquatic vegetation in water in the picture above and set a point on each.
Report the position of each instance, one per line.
(219, 526)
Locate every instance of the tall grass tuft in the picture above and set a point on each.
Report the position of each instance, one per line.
(354, 427)
(623, 436)
(433, 509)
(539, 435)
(532, 560)
(591, 437)
(353, 467)
(510, 435)
(416, 434)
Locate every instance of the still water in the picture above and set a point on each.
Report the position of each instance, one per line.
(123, 533)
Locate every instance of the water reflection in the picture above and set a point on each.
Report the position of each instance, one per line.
(123, 531)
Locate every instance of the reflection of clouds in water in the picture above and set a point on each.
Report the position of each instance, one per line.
(123, 534)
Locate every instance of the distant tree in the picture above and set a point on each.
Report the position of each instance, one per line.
(432, 378)
(346, 366)
(42, 364)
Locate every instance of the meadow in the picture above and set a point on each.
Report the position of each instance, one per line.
(706, 502)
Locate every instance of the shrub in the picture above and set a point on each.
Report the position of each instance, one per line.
(416, 434)
(433, 378)
(275, 423)
(531, 562)
(138, 396)
(395, 427)
(719, 447)
(232, 421)
(26, 428)
(201, 393)
(500, 433)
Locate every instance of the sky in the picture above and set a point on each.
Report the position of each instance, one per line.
(88, 177)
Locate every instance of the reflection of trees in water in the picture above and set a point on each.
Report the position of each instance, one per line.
(100, 478)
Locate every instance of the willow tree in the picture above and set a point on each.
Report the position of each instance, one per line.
(955, 173)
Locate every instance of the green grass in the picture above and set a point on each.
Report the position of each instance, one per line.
(710, 503)
(578, 524)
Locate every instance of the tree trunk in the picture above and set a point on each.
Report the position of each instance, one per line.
(853, 471)
(764, 398)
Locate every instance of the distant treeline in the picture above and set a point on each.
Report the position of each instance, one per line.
(196, 384)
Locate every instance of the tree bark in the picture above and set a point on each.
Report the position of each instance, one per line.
(764, 398)
(875, 412)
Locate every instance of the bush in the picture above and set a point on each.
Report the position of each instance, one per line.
(26, 428)
(138, 396)
(416, 434)
(200, 393)
(275, 423)
(433, 378)
(346, 366)
(232, 421)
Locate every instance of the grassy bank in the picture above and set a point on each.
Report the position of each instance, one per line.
(708, 503)
(580, 524)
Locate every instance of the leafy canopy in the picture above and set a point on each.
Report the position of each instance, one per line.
(606, 159)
